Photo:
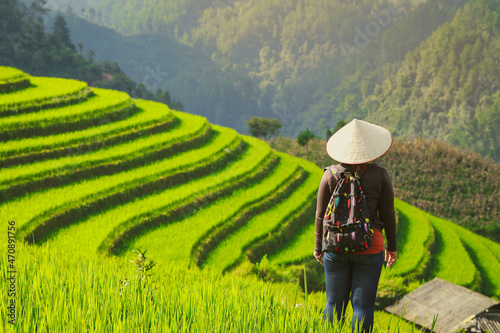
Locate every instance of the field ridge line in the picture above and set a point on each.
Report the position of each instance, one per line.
(201, 251)
(265, 242)
(106, 166)
(165, 124)
(39, 229)
(122, 234)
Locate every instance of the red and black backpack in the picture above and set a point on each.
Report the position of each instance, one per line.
(346, 225)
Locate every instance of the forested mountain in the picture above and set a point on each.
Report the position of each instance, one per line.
(447, 88)
(285, 47)
(348, 84)
(419, 68)
(161, 62)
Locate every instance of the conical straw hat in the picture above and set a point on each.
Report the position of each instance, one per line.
(359, 142)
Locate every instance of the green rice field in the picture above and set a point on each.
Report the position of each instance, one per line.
(88, 175)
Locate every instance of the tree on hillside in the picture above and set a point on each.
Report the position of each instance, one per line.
(304, 137)
(263, 127)
(61, 33)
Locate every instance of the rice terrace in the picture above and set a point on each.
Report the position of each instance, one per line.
(89, 174)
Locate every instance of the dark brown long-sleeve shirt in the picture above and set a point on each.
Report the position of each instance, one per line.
(377, 187)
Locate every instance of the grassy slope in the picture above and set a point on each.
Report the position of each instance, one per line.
(172, 243)
(26, 207)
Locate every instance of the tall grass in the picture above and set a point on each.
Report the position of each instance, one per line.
(58, 291)
(10, 73)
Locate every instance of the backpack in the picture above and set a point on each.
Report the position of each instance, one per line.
(346, 225)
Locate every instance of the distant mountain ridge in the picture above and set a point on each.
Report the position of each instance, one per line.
(159, 61)
(310, 64)
(281, 60)
(448, 87)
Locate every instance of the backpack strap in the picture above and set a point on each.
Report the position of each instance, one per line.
(339, 178)
(335, 172)
(339, 172)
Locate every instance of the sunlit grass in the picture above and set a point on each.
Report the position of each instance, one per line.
(232, 247)
(88, 234)
(414, 231)
(484, 255)
(172, 243)
(86, 193)
(148, 114)
(68, 292)
(104, 101)
(121, 152)
(44, 89)
(450, 260)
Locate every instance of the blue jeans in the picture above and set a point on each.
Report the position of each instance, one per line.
(354, 277)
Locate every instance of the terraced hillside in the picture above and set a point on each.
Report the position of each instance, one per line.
(87, 171)
(92, 170)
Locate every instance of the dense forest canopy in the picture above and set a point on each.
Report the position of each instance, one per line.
(285, 55)
(448, 87)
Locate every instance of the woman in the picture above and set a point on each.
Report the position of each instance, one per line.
(355, 276)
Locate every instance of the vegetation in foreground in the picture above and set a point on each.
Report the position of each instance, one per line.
(88, 293)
